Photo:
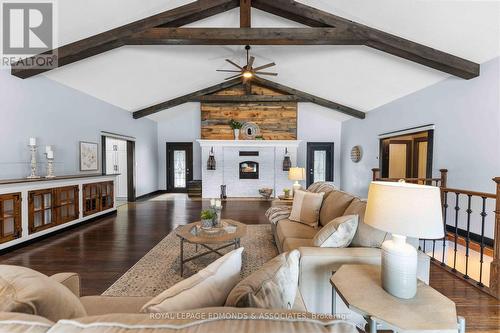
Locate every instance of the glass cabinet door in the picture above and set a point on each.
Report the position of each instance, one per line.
(10, 217)
(40, 205)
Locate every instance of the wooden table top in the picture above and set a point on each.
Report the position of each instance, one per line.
(193, 233)
(361, 289)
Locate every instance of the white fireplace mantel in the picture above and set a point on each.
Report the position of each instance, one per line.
(228, 154)
(249, 143)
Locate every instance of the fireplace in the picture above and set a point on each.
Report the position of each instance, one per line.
(249, 170)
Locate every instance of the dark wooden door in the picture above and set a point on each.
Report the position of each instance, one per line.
(179, 166)
(319, 162)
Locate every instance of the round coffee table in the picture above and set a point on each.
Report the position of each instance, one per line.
(213, 240)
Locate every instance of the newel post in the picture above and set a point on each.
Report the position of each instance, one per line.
(444, 177)
(375, 174)
(495, 264)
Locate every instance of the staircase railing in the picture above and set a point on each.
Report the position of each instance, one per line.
(457, 204)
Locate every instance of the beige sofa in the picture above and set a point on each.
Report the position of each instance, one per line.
(317, 264)
(121, 315)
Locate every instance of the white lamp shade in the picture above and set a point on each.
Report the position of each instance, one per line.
(297, 174)
(405, 209)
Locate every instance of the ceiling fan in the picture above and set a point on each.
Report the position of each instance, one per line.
(247, 71)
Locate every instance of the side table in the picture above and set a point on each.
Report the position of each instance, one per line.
(359, 286)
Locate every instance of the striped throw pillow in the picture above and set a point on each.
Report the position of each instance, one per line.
(305, 208)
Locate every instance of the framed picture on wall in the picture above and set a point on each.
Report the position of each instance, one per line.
(88, 156)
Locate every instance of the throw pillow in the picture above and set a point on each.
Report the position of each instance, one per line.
(27, 291)
(209, 287)
(306, 207)
(274, 286)
(366, 235)
(338, 232)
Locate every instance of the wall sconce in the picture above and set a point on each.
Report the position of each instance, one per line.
(287, 163)
(211, 165)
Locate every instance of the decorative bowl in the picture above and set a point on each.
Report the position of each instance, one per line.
(266, 192)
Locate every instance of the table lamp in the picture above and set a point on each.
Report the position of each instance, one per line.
(296, 174)
(404, 210)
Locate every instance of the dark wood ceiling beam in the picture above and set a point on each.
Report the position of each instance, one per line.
(376, 39)
(111, 39)
(184, 99)
(244, 36)
(245, 13)
(310, 98)
(246, 99)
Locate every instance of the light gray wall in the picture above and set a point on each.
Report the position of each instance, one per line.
(183, 124)
(466, 139)
(60, 116)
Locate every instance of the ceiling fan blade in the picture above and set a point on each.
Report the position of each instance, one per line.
(266, 73)
(228, 71)
(234, 64)
(233, 77)
(265, 66)
(250, 62)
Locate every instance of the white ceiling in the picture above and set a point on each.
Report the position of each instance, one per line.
(134, 77)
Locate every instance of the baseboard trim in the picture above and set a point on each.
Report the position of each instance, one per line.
(57, 232)
(473, 237)
(150, 195)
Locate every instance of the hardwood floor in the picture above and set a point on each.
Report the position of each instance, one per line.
(102, 251)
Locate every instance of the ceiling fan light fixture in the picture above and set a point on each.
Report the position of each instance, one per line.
(247, 74)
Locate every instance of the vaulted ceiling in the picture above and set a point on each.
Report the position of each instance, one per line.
(134, 77)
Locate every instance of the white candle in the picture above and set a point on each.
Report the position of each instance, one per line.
(217, 203)
(32, 141)
(212, 202)
(48, 148)
(50, 154)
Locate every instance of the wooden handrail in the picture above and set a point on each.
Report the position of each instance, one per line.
(473, 193)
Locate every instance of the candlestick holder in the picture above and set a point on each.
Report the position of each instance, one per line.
(33, 174)
(50, 168)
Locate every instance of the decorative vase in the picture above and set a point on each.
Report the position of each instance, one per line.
(206, 224)
(216, 222)
(236, 133)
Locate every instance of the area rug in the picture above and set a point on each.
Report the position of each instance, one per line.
(159, 269)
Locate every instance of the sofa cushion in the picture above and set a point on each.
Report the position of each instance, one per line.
(13, 322)
(294, 243)
(366, 235)
(208, 287)
(219, 320)
(289, 229)
(337, 233)
(274, 286)
(27, 291)
(305, 208)
(324, 187)
(334, 206)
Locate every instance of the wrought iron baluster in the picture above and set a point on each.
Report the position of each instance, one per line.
(467, 239)
(457, 209)
(483, 219)
(445, 209)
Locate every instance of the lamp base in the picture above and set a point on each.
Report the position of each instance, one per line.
(296, 187)
(399, 267)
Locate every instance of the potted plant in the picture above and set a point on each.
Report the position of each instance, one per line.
(207, 217)
(286, 191)
(236, 126)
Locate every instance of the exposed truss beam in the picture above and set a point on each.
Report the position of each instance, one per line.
(244, 36)
(204, 95)
(245, 13)
(112, 39)
(186, 98)
(377, 39)
(310, 98)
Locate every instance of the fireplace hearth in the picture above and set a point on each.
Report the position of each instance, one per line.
(249, 170)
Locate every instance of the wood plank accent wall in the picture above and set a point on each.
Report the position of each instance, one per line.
(277, 120)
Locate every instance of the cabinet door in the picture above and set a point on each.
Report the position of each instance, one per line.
(91, 199)
(10, 217)
(66, 204)
(107, 195)
(41, 213)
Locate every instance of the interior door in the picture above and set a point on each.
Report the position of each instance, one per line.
(179, 166)
(116, 163)
(319, 162)
(399, 163)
